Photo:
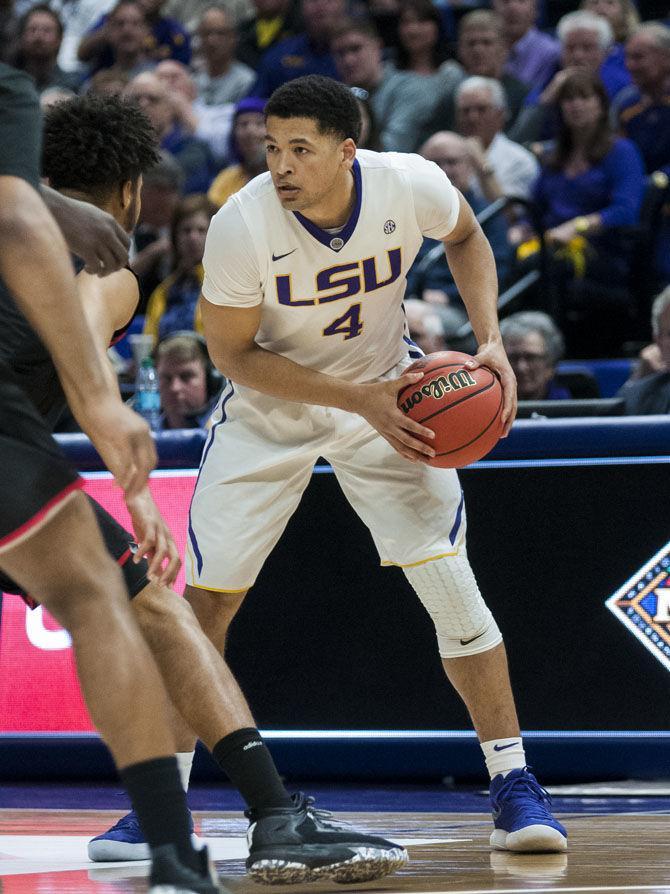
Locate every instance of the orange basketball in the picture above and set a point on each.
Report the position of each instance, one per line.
(462, 406)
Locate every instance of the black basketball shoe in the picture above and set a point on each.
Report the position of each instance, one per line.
(289, 845)
(169, 876)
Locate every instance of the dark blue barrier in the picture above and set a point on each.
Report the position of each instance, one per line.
(529, 439)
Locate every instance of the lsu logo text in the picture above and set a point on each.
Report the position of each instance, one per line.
(642, 604)
(440, 386)
(343, 281)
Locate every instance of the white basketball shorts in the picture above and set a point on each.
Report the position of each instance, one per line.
(257, 462)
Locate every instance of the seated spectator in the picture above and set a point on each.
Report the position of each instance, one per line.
(210, 124)
(108, 82)
(624, 20)
(39, 39)
(246, 150)
(647, 392)
(222, 78)
(532, 56)
(151, 253)
(481, 111)
(369, 137)
(482, 52)
(425, 325)
(192, 155)
(422, 48)
(188, 382)
(124, 39)
(164, 38)
(400, 102)
(174, 304)
(275, 20)
(306, 53)
(643, 111)
(534, 345)
(590, 187)
(78, 19)
(190, 12)
(586, 40)
(433, 281)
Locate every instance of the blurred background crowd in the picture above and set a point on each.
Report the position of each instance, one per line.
(551, 116)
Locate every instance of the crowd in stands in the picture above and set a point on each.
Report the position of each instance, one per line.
(552, 118)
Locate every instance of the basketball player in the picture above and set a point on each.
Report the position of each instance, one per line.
(49, 540)
(304, 279)
(95, 150)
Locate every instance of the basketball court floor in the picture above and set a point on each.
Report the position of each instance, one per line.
(618, 842)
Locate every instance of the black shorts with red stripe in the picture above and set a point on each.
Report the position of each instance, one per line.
(35, 478)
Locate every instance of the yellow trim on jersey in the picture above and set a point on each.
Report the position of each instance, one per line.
(217, 590)
(422, 562)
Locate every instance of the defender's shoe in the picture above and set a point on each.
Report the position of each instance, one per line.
(125, 841)
(169, 876)
(522, 815)
(289, 845)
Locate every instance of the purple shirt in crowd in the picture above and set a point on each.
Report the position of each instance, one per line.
(534, 58)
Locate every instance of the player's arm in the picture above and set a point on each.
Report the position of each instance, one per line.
(473, 267)
(108, 305)
(35, 265)
(231, 333)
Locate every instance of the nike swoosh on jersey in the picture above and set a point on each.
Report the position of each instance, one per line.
(466, 642)
(503, 747)
(285, 255)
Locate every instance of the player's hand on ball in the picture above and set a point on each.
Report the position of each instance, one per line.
(379, 406)
(154, 538)
(492, 354)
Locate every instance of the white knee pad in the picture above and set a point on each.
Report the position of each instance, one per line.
(448, 590)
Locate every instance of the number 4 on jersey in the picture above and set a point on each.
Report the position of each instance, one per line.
(349, 324)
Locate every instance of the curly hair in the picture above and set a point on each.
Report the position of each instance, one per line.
(94, 144)
(328, 102)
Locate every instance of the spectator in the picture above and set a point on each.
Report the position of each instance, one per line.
(188, 382)
(422, 48)
(210, 124)
(164, 38)
(623, 19)
(369, 137)
(481, 111)
(306, 53)
(108, 82)
(151, 258)
(400, 102)
(190, 12)
(425, 325)
(647, 392)
(275, 20)
(532, 56)
(534, 345)
(430, 277)
(192, 155)
(643, 111)
(590, 186)
(246, 150)
(122, 41)
(40, 35)
(586, 40)
(222, 78)
(78, 18)
(9, 30)
(482, 53)
(174, 304)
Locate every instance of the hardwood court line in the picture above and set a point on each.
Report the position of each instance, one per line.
(556, 889)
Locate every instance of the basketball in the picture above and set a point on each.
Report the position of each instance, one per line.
(462, 406)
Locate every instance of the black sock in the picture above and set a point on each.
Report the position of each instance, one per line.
(245, 759)
(160, 803)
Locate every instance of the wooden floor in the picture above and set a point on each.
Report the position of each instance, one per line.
(44, 851)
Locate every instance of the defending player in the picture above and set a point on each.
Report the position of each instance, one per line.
(95, 150)
(304, 279)
(48, 537)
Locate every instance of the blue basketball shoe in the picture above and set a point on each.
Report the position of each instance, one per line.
(125, 841)
(522, 815)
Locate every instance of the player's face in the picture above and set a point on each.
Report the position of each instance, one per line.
(310, 170)
(531, 364)
(582, 50)
(183, 386)
(663, 336)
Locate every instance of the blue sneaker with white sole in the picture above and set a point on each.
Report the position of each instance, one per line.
(522, 816)
(125, 841)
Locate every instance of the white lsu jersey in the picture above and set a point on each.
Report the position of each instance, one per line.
(332, 302)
